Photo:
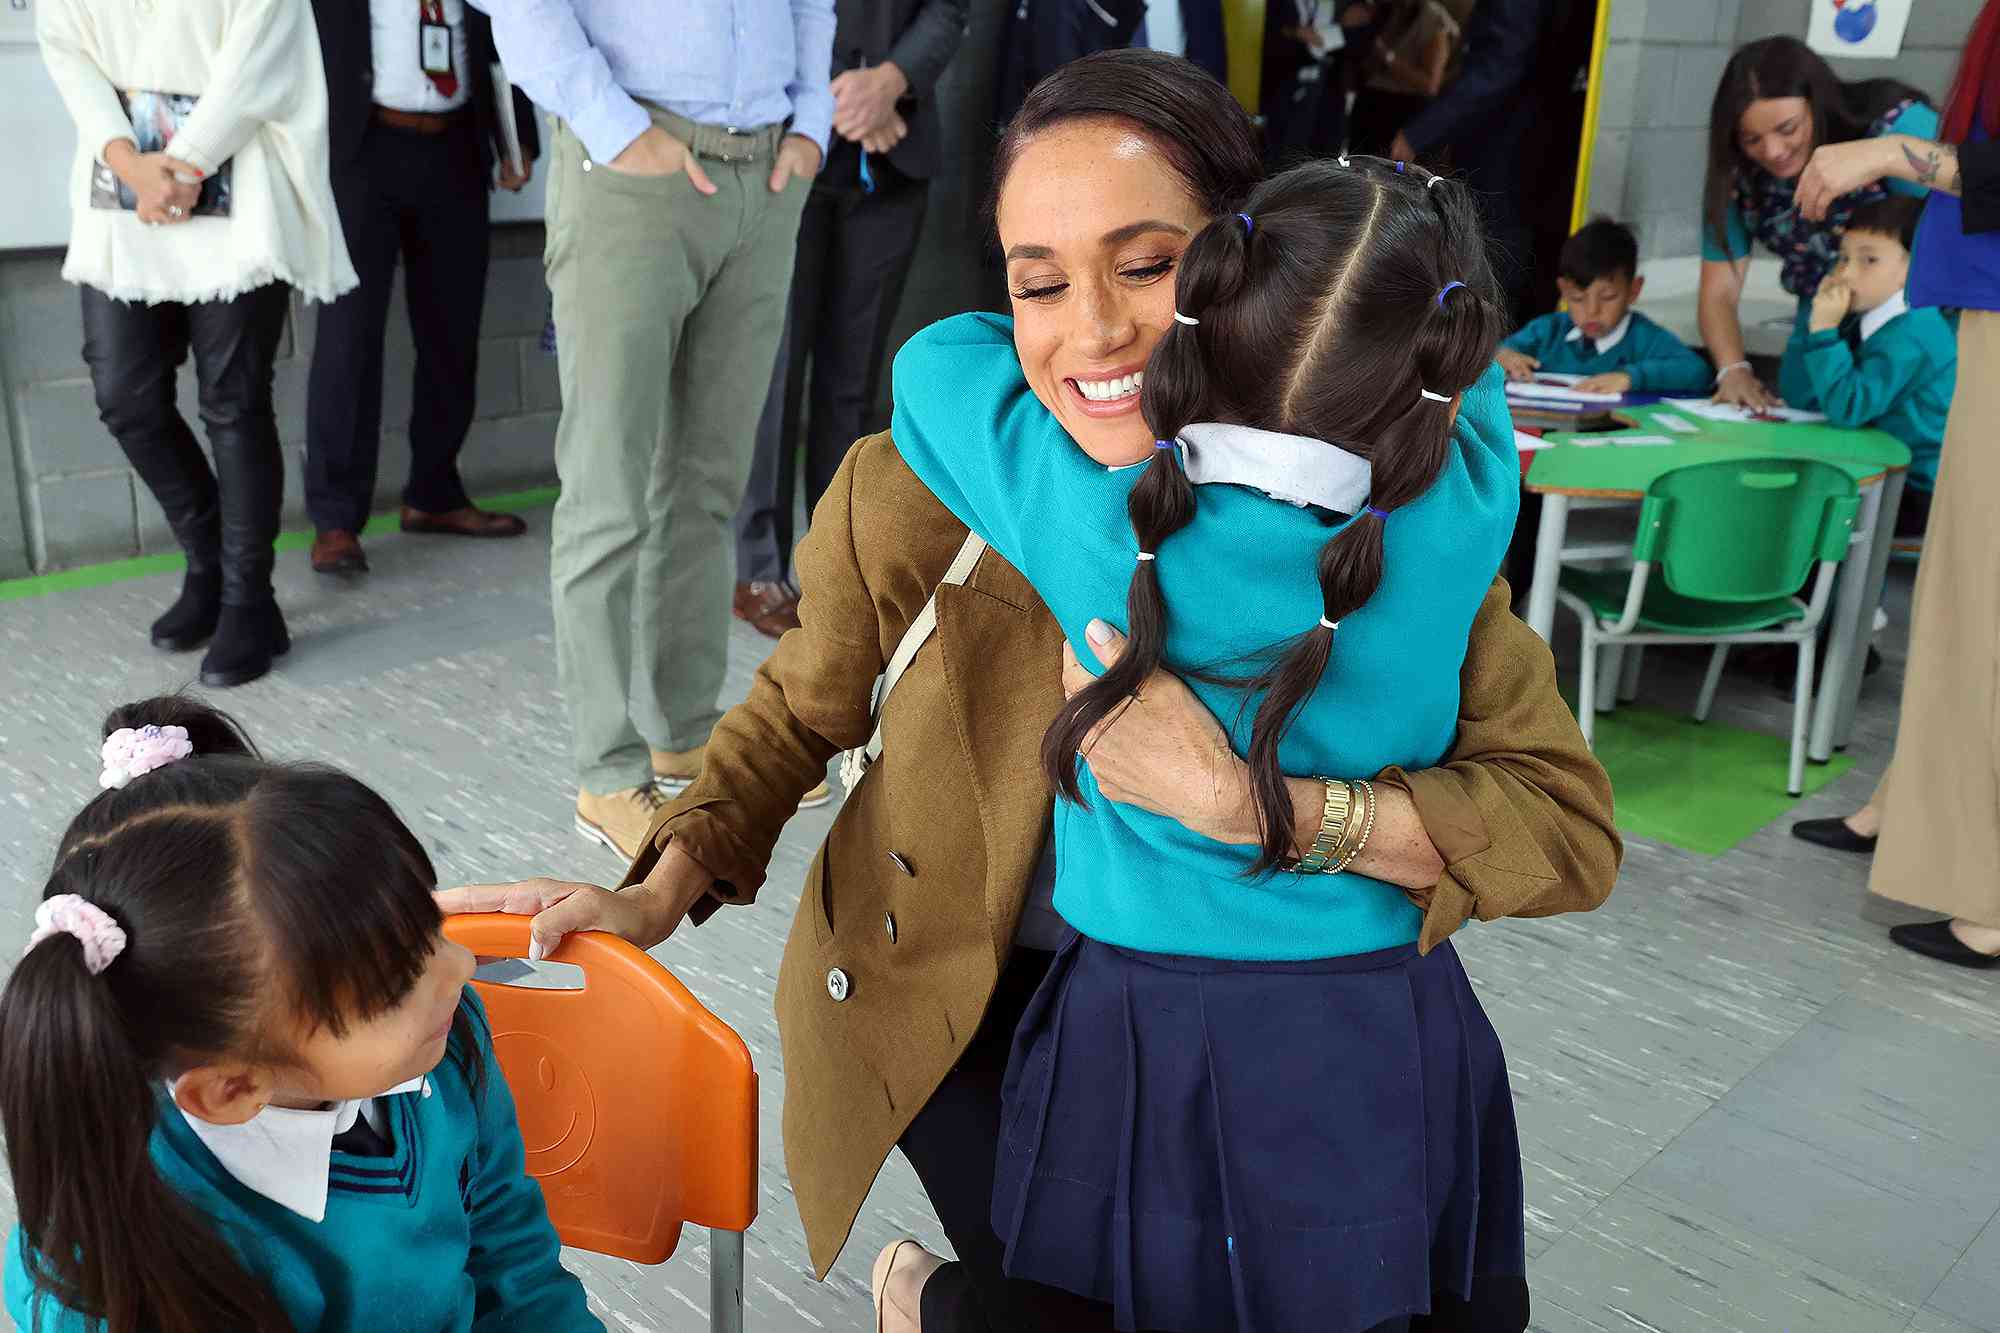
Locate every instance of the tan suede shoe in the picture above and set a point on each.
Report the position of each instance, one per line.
(620, 820)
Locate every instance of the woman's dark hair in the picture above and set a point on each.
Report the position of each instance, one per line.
(1785, 67)
(1329, 313)
(247, 891)
(1195, 123)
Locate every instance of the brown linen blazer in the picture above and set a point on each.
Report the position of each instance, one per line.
(914, 897)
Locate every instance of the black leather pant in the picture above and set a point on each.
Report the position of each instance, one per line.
(225, 518)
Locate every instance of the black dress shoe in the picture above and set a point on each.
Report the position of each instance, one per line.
(1934, 939)
(1833, 833)
(246, 639)
(190, 621)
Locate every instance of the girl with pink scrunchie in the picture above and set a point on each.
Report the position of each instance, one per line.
(243, 1082)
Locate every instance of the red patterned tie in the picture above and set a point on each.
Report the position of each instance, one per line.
(433, 12)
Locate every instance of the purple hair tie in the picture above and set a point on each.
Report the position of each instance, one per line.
(1399, 168)
(1163, 444)
(1446, 290)
(1379, 513)
(1248, 225)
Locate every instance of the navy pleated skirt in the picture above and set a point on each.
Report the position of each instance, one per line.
(1215, 1146)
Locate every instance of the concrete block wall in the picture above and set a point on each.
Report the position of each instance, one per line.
(1662, 61)
(67, 496)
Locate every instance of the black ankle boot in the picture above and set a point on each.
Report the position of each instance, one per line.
(246, 639)
(190, 621)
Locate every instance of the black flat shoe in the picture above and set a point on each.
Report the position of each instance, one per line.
(1833, 833)
(1934, 939)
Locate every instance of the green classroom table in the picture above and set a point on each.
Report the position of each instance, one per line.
(1600, 471)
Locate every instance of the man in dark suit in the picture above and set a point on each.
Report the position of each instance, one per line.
(416, 133)
(856, 241)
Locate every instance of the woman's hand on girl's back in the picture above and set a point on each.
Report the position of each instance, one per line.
(1164, 752)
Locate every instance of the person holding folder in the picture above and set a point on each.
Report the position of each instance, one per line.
(417, 130)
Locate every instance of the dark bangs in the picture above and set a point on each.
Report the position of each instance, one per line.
(342, 889)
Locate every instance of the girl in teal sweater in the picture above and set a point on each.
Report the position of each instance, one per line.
(244, 1085)
(1314, 1129)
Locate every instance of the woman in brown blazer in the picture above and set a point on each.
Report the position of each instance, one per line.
(923, 927)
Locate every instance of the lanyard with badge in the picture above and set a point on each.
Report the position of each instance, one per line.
(434, 46)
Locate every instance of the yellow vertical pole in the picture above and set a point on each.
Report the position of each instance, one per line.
(1593, 95)
(1243, 30)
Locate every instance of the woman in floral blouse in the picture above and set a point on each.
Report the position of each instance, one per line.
(1778, 101)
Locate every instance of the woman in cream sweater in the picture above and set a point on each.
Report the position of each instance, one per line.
(199, 198)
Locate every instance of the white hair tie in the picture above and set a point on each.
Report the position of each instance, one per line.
(1435, 397)
(1324, 623)
(68, 914)
(1146, 555)
(1432, 181)
(1179, 318)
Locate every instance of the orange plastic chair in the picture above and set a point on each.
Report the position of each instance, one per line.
(638, 1106)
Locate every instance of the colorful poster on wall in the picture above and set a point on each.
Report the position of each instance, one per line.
(1869, 29)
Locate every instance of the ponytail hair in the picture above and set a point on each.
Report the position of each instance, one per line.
(306, 901)
(1176, 390)
(1352, 301)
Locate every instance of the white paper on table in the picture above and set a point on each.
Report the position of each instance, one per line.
(510, 130)
(1702, 407)
(1679, 425)
(1528, 444)
(1550, 384)
(1627, 440)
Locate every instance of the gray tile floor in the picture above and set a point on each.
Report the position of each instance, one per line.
(1741, 1109)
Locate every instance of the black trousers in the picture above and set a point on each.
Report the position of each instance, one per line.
(952, 1144)
(854, 254)
(225, 518)
(420, 197)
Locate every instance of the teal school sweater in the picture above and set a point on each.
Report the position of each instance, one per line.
(446, 1235)
(1237, 580)
(1657, 361)
(1901, 382)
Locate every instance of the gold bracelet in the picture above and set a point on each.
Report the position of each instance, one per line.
(1367, 822)
(1333, 826)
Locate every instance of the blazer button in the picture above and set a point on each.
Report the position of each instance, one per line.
(902, 865)
(889, 924)
(586, 164)
(837, 985)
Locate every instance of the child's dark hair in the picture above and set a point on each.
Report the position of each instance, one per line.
(1895, 216)
(246, 890)
(1342, 296)
(1601, 248)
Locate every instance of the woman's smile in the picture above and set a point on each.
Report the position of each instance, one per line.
(1109, 394)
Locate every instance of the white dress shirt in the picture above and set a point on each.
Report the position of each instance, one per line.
(1872, 322)
(284, 1154)
(1609, 340)
(400, 81)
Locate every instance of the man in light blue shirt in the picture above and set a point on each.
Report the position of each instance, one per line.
(686, 135)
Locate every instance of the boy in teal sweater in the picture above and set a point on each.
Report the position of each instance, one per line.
(1873, 361)
(1600, 336)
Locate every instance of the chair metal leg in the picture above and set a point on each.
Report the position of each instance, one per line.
(1586, 686)
(1614, 672)
(1801, 716)
(1628, 683)
(1708, 685)
(725, 1280)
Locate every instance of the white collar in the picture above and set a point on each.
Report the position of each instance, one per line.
(1872, 322)
(1609, 340)
(284, 1155)
(1294, 468)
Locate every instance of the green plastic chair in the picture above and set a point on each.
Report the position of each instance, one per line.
(1721, 550)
